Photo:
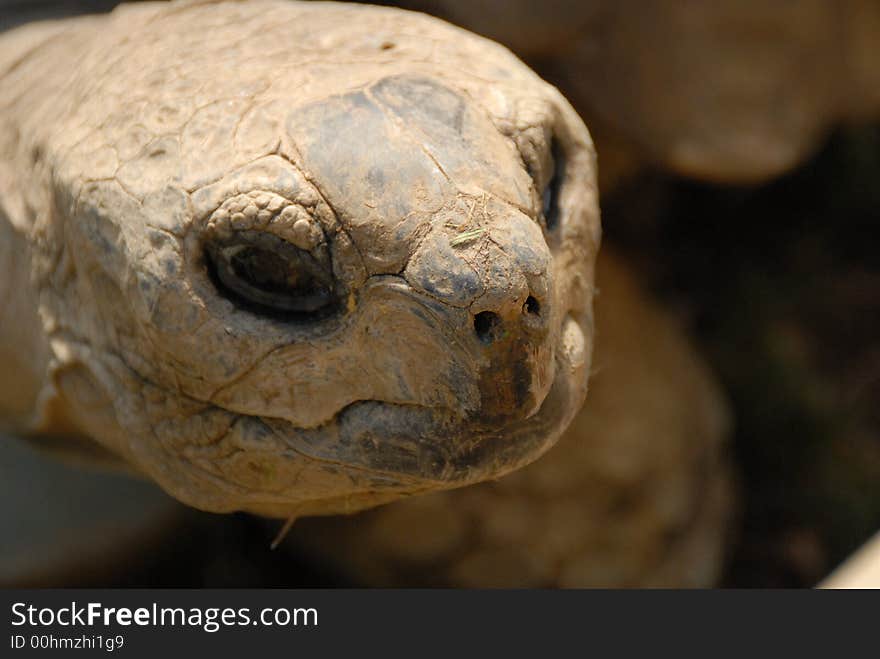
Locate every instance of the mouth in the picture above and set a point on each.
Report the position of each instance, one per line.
(399, 446)
(369, 451)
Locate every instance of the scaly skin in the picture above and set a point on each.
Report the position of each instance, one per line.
(440, 330)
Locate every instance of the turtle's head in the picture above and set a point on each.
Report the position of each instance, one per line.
(375, 290)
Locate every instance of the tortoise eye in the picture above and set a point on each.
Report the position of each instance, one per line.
(266, 274)
(551, 191)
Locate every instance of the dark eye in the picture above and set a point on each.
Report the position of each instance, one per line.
(266, 274)
(551, 192)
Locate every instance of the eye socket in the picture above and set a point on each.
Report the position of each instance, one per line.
(551, 191)
(268, 275)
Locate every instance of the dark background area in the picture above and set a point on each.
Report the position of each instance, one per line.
(781, 287)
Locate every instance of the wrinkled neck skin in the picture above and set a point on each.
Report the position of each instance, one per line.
(437, 198)
(24, 349)
(29, 399)
(23, 344)
(30, 403)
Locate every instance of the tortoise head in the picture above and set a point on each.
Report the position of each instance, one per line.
(333, 284)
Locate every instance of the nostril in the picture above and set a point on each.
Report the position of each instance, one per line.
(487, 325)
(532, 306)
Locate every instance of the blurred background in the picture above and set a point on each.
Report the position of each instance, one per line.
(739, 154)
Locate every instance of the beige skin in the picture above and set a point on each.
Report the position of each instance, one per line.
(291, 258)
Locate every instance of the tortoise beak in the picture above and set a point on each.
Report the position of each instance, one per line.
(500, 272)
